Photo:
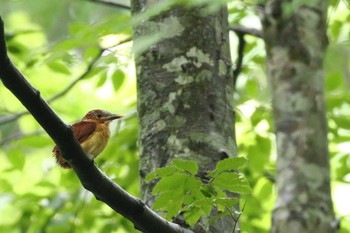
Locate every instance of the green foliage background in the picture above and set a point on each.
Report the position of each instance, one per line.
(54, 42)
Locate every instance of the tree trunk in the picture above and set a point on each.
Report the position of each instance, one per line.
(295, 37)
(185, 91)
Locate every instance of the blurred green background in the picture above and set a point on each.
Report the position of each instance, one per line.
(57, 45)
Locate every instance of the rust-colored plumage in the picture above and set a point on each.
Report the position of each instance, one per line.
(92, 132)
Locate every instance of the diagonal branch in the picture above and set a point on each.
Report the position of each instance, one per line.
(90, 176)
(86, 72)
(20, 135)
(82, 76)
(7, 119)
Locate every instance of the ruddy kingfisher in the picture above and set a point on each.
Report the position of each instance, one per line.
(92, 132)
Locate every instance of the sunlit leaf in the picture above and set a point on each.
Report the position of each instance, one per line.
(102, 79)
(189, 166)
(91, 53)
(118, 79)
(232, 182)
(228, 164)
(59, 67)
(95, 71)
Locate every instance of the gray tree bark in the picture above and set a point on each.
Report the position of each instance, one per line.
(185, 91)
(295, 37)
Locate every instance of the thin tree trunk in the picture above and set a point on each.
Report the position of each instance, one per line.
(295, 37)
(185, 91)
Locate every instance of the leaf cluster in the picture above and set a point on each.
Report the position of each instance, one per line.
(179, 189)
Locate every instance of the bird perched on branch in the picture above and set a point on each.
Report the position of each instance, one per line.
(92, 132)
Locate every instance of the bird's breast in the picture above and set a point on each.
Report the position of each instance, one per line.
(97, 141)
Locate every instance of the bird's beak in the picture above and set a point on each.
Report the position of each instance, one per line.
(113, 117)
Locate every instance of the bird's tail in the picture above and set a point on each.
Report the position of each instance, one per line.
(59, 159)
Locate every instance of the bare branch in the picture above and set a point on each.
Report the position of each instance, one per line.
(111, 3)
(7, 119)
(241, 32)
(246, 31)
(240, 54)
(86, 72)
(82, 76)
(19, 136)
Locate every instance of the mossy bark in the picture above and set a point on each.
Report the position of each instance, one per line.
(185, 91)
(295, 37)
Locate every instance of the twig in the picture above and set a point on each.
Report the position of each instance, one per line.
(239, 215)
(246, 31)
(241, 32)
(82, 76)
(92, 179)
(240, 53)
(19, 136)
(111, 3)
(86, 72)
(7, 119)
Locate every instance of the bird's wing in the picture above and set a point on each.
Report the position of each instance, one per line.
(82, 130)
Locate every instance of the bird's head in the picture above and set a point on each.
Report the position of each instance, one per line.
(100, 116)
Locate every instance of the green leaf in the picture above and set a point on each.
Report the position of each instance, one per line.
(220, 215)
(166, 171)
(5, 186)
(95, 71)
(252, 88)
(91, 53)
(199, 208)
(342, 121)
(189, 166)
(192, 215)
(170, 190)
(208, 190)
(170, 202)
(84, 32)
(173, 182)
(256, 161)
(161, 172)
(263, 189)
(67, 45)
(192, 185)
(102, 80)
(118, 79)
(224, 203)
(38, 141)
(229, 164)
(16, 158)
(59, 67)
(151, 176)
(232, 182)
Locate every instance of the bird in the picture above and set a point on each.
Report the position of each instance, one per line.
(92, 132)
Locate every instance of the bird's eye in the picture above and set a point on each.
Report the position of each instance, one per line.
(99, 115)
